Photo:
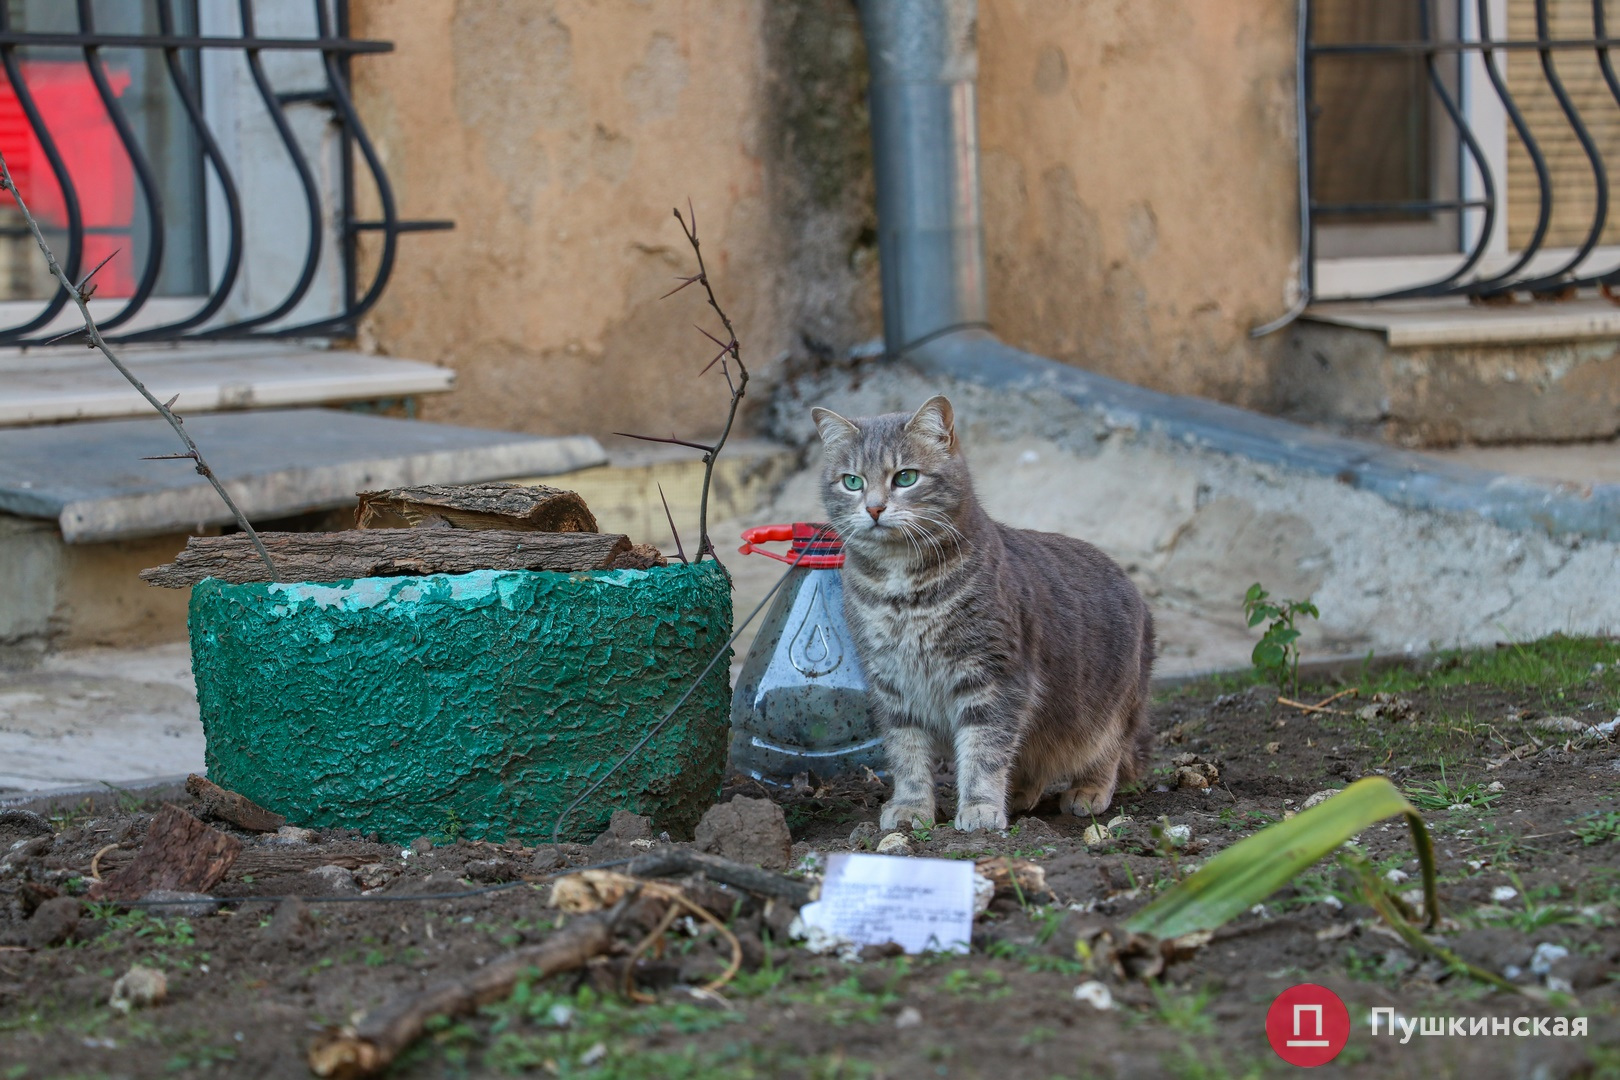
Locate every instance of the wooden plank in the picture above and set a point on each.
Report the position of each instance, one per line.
(477, 506)
(341, 556)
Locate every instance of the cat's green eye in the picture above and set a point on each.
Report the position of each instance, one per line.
(853, 482)
(905, 478)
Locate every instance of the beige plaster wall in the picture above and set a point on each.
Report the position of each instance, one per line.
(1138, 168)
(1139, 185)
(559, 134)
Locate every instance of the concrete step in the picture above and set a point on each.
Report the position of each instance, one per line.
(92, 480)
(1425, 373)
(73, 383)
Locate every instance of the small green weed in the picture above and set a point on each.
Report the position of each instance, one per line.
(1184, 1010)
(1276, 655)
(1598, 828)
(1442, 794)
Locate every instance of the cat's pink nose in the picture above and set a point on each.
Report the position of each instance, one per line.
(875, 511)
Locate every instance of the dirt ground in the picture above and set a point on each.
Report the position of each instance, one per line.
(1530, 889)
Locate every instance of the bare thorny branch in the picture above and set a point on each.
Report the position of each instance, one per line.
(81, 293)
(730, 353)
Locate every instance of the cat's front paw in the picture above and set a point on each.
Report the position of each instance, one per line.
(897, 814)
(981, 816)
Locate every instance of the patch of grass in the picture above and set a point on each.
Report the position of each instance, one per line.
(1551, 665)
(1444, 794)
(1183, 1010)
(1533, 910)
(1598, 828)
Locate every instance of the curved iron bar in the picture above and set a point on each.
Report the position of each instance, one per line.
(143, 173)
(70, 194)
(1600, 31)
(312, 197)
(1503, 281)
(350, 118)
(1600, 177)
(1441, 286)
(216, 158)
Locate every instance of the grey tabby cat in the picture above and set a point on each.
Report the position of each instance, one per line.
(1028, 652)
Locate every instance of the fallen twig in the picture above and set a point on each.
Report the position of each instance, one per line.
(376, 1039)
(80, 293)
(725, 872)
(1291, 703)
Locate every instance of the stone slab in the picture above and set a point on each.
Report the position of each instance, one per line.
(74, 383)
(91, 479)
(1454, 321)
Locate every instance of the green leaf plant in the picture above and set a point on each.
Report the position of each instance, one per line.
(1276, 655)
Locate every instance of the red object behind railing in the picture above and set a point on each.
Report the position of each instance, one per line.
(95, 160)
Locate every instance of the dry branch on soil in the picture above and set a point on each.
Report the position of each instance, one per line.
(477, 506)
(178, 853)
(379, 1037)
(327, 557)
(216, 802)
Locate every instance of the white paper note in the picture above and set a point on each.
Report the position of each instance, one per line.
(922, 905)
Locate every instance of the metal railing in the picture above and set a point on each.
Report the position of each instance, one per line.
(1463, 66)
(170, 32)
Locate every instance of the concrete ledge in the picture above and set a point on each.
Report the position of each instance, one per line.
(1405, 478)
(1454, 321)
(90, 477)
(72, 383)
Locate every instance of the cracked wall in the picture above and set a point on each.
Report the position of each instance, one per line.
(558, 134)
(1138, 172)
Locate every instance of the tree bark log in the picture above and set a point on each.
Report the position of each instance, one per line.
(241, 811)
(477, 506)
(339, 556)
(179, 853)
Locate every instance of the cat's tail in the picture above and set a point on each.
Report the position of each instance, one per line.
(1141, 755)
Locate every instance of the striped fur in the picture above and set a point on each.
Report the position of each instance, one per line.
(1027, 653)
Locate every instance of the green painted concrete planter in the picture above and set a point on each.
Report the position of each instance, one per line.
(482, 703)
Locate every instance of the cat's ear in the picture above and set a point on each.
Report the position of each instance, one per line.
(834, 428)
(935, 420)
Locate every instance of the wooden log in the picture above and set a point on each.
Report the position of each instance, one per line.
(477, 506)
(269, 862)
(239, 810)
(339, 556)
(179, 852)
(381, 1036)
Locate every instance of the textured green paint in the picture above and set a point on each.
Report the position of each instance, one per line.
(490, 699)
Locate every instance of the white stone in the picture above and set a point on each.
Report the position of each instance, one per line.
(1546, 955)
(1503, 893)
(909, 1017)
(1319, 798)
(894, 844)
(1095, 994)
(138, 988)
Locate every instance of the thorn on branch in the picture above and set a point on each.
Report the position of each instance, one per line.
(673, 531)
(170, 403)
(672, 440)
(171, 457)
(79, 288)
(684, 282)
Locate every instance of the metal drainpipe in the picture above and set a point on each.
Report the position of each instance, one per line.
(924, 63)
